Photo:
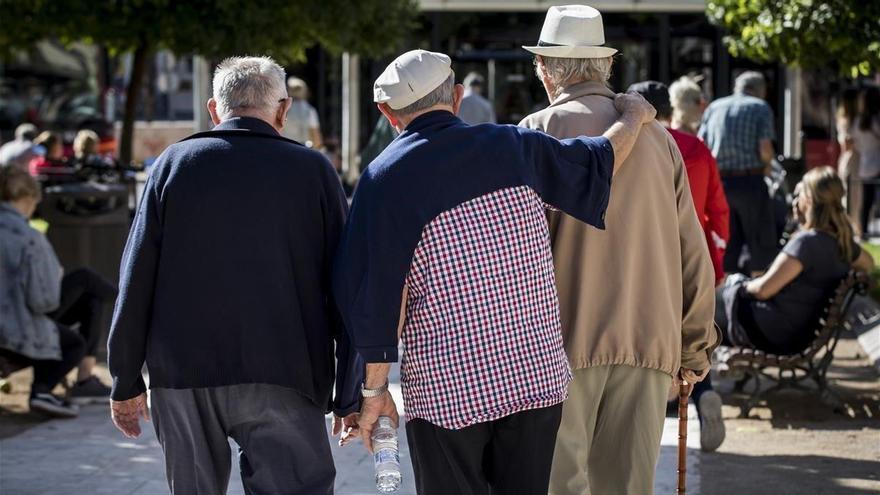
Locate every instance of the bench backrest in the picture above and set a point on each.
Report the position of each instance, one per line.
(834, 315)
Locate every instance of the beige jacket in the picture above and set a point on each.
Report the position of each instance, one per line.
(641, 292)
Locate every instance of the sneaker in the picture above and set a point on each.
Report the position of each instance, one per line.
(54, 406)
(89, 391)
(712, 430)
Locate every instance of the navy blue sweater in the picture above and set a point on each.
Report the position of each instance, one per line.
(226, 275)
(436, 164)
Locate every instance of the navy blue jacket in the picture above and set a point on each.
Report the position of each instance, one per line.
(226, 275)
(436, 164)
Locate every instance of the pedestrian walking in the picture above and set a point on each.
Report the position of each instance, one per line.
(739, 131)
(866, 142)
(636, 300)
(475, 108)
(225, 293)
(302, 123)
(447, 241)
(848, 162)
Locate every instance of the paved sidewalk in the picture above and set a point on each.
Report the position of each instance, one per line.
(88, 456)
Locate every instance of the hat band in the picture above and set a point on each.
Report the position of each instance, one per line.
(544, 43)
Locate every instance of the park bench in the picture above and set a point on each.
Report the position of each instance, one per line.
(791, 371)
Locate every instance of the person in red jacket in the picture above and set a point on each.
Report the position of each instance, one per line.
(703, 176)
(714, 215)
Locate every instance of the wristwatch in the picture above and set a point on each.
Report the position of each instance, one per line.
(368, 393)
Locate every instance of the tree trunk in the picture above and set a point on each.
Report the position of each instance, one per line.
(132, 95)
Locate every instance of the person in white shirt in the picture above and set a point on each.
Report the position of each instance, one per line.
(475, 109)
(302, 119)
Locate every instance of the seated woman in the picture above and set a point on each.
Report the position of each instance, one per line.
(30, 287)
(45, 304)
(778, 311)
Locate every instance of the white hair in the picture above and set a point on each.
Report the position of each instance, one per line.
(252, 83)
(751, 83)
(441, 95)
(685, 95)
(567, 71)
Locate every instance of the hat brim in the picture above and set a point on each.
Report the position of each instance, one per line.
(572, 51)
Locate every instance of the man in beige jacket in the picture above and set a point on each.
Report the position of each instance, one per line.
(636, 300)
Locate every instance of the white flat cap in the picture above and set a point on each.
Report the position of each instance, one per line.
(410, 77)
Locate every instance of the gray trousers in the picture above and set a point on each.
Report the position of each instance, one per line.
(282, 438)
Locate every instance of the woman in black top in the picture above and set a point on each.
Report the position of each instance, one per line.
(777, 312)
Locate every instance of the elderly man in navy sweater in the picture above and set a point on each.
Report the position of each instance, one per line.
(448, 247)
(225, 293)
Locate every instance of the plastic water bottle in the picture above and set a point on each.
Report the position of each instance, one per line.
(385, 456)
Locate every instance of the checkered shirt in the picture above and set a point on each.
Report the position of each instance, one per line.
(482, 338)
(733, 127)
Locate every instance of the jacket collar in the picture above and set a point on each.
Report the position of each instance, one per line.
(432, 118)
(582, 89)
(9, 210)
(246, 124)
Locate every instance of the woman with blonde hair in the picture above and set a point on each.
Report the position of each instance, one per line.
(777, 312)
(688, 104)
(85, 144)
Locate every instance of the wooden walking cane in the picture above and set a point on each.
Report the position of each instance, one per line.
(683, 394)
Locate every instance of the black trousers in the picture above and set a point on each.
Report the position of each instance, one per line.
(512, 455)
(47, 373)
(752, 225)
(87, 299)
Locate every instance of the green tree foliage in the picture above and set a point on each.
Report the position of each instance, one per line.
(283, 29)
(842, 34)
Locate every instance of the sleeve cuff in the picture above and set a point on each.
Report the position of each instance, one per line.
(378, 354)
(343, 411)
(120, 390)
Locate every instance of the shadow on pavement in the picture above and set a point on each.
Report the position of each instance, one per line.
(734, 474)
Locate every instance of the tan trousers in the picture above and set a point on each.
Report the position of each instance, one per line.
(609, 439)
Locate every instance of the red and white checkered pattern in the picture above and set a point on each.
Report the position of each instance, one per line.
(482, 338)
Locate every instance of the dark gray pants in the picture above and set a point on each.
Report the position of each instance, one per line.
(752, 225)
(284, 448)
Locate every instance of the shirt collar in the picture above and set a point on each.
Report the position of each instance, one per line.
(430, 119)
(582, 89)
(247, 124)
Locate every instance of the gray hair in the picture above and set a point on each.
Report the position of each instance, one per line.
(751, 83)
(685, 95)
(567, 71)
(441, 95)
(255, 83)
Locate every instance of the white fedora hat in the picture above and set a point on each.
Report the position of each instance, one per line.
(572, 31)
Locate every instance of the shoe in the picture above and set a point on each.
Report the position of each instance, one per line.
(54, 406)
(89, 391)
(712, 430)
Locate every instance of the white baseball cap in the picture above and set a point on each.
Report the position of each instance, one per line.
(410, 77)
